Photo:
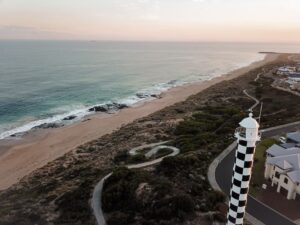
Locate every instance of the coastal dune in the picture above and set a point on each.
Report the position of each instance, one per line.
(19, 157)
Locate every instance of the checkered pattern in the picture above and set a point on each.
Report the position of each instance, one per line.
(240, 182)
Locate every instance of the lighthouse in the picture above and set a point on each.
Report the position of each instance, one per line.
(247, 135)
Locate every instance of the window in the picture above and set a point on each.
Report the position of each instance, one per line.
(277, 175)
(286, 180)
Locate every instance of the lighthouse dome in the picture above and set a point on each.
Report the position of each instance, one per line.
(249, 122)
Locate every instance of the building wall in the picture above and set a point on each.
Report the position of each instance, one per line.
(294, 79)
(283, 181)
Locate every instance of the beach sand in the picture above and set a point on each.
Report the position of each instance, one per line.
(19, 157)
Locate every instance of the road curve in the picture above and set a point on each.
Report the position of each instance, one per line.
(223, 172)
(220, 173)
(96, 202)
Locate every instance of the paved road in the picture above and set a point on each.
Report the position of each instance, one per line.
(97, 193)
(254, 207)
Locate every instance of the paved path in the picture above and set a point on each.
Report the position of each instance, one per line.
(253, 98)
(96, 202)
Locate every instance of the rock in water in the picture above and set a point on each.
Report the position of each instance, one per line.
(122, 106)
(49, 125)
(142, 95)
(108, 107)
(72, 117)
(99, 108)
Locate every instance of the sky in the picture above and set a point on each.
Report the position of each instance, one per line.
(152, 20)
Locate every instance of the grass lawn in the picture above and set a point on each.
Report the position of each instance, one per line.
(257, 178)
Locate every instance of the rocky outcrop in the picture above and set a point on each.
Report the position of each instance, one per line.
(108, 107)
(72, 117)
(49, 125)
(146, 95)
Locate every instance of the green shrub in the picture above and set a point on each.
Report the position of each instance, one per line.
(119, 189)
(214, 198)
(121, 157)
(118, 218)
(138, 158)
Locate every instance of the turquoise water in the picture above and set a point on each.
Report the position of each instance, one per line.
(45, 81)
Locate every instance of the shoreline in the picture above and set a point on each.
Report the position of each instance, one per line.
(38, 147)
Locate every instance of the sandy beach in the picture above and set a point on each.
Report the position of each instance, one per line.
(20, 157)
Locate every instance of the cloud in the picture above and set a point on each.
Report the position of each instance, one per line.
(141, 9)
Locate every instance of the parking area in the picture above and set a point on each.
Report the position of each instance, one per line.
(278, 201)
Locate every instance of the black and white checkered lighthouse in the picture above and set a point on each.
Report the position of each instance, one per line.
(247, 135)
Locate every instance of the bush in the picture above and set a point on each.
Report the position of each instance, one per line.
(210, 125)
(121, 157)
(118, 218)
(178, 206)
(119, 189)
(138, 158)
(163, 152)
(169, 165)
(214, 198)
(219, 217)
(162, 187)
(183, 203)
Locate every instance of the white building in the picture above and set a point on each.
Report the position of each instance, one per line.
(286, 70)
(295, 77)
(283, 169)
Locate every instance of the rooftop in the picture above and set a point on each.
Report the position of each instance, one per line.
(295, 136)
(249, 122)
(286, 162)
(294, 175)
(296, 75)
(288, 145)
(276, 150)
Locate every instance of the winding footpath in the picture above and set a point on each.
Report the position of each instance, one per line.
(96, 202)
(219, 176)
(220, 172)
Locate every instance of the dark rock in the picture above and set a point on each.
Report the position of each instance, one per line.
(122, 106)
(142, 95)
(103, 108)
(145, 95)
(155, 96)
(49, 125)
(108, 107)
(72, 117)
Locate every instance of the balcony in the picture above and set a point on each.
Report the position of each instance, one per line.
(240, 133)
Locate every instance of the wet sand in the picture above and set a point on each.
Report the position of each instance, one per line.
(19, 157)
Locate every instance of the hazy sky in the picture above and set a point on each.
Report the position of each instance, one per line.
(174, 20)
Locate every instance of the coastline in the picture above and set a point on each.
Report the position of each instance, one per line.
(39, 147)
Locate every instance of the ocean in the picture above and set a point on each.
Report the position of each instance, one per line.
(47, 81)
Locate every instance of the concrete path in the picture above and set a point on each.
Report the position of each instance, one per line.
(253, 98)
(96, 202)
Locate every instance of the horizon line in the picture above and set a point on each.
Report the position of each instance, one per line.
(155, 41)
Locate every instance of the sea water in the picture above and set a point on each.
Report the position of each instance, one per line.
(46, 81)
